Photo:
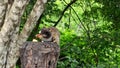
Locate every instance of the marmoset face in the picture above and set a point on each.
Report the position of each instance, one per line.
(45, 33)
(50, 34)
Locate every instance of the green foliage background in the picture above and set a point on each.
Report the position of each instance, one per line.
(90, 32)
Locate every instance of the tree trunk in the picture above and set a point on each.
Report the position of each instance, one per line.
(10, 38)
(39, 55)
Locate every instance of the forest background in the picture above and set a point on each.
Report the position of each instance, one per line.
(90, 31)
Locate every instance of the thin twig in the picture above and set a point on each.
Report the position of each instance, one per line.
(64, 11)
(78, 17)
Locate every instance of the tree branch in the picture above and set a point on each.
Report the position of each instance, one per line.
(36, 28)
(31, 21)
(84, 28)
(64, 12)
(3, 6)
(11, 22)
(9, 32)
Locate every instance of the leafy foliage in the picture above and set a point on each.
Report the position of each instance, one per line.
(89, 32)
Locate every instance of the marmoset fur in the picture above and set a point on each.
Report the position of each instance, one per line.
(50, 34)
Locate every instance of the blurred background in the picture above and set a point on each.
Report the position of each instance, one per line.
(90, 31)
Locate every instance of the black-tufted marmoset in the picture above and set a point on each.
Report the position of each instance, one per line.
(50, 34)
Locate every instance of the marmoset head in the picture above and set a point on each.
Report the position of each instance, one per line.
(44, 35)
(50, 34)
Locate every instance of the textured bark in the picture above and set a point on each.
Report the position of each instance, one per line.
(9, 32)
(3, 5)
(39, 55)
(10, 40)
(12, 49)
(32, 19)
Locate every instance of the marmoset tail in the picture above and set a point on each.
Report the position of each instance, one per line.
(49, 34)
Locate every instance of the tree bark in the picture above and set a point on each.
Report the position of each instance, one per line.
(39, 55)
(10, 39)
(2, 12)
